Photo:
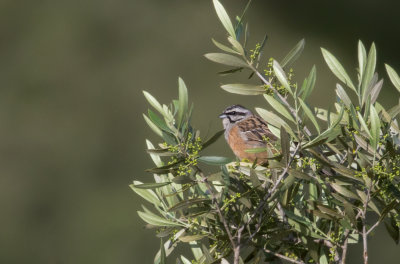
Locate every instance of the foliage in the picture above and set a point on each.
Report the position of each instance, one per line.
(336, 179)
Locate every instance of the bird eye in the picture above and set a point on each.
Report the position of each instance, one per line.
(233, 112)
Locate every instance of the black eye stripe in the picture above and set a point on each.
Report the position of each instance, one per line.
(235, 113)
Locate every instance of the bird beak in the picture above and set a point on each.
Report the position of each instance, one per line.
(222, 115)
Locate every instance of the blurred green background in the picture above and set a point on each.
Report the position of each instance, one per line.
(72, 133)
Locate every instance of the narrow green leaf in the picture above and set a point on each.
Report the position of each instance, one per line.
(187, 239)
(183, 101)
(375, 127)
(326, 115)
(215, 176)
(148, 195)
(387, 209)
(367, 106)
(214, 160)
(182, 179)
(153, 126)
(254, 178)
(159, 170)
(353, 114)
(367, 92)
(197, 253)
(275, 130)
(313, 191)
(238, 27)
(212, 139)
(337, 69)
(275, 120)
(281, 75)
(341, 93)
(176, 106)
(323, 259)
(287, 183)
(261, 48)
(224, 18)
(244, 89)
(394, 111)
(154, 185)
(153, 102)
(156, 159)
(225, 176)
(156, 220)
(293, 54)
(223, 47)
(163, 256)
(185, 260)
(362, 58)
(309, 114)
(393, 229)
(278, 107)
(309, 83)
(329, 211)
(236, 45)
(272, 118)
(160, 152)
(330, 133)
(371, 204)
(303, 220)
(285, 145)
(354, 238)
(166, 232)
(159, 122)
(343, 191)
(345, 172)
(369, 68)
(256, 150)
(348, 209)
(246, 34)
(375, 91)
(363, 124)
(300, 175)
(363, 144)
(187, 203)
(226, 59)
(313, 249)
(227, 72)
(207, 254)
(393, 76)
(169, 138)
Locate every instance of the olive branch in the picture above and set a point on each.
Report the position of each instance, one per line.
(336, 179)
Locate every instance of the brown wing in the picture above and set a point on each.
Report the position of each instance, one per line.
(249, 133)
(255, 129)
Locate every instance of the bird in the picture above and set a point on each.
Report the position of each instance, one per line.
(245, 130)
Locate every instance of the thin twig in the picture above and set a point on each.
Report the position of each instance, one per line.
(344, 247)
(218, 209)
(365, 245)
(270, 193)
(283, 257)
(364, 224)
(243, 13)
(236, 257)
(373, 227)
(283, 99)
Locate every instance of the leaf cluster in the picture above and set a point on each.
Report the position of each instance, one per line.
(337, 176)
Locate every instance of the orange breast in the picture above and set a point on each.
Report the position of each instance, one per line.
(238, 145)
